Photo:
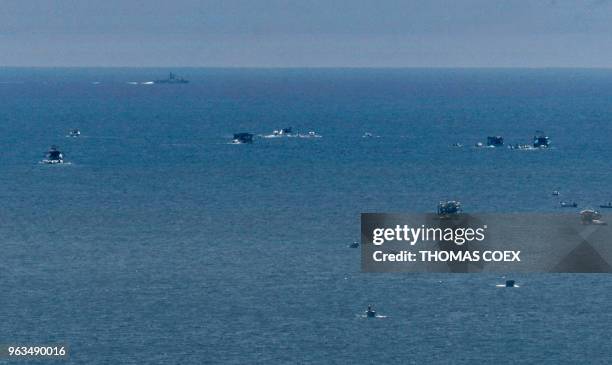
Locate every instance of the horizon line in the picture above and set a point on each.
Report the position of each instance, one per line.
(320, 67)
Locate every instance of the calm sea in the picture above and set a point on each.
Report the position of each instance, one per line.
(162, 243)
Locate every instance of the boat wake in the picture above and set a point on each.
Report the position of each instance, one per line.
(278, 135)
(48, 162)
(310, 134)
(366, 316)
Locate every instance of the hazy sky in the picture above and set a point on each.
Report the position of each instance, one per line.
(275, 33)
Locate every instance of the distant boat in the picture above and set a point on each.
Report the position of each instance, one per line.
(53, 156)
(74, 133)
(540, 140)
(569, 205)
(449, 208)
(283, 132)
(609, 205)
(370, 313)
(495, 141)
(241, 138)
(591, 216)
(508, 284)
(555, 193)
(355, 244)
(172, 79)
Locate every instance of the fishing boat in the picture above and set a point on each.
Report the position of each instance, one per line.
(53, 156)
(495, 141)
(241, 138)
(450, 207)
(540, 140)
(370, 313)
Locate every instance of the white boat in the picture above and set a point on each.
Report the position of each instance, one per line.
(591, 216)
(285, 132)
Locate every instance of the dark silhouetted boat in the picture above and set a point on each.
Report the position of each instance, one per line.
(53, 156)
(449, 208)
(495, 141)
(172, 79)
(240, 138)
(370, 313)
(540, 140)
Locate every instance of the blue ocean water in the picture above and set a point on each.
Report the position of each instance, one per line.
(162, 243)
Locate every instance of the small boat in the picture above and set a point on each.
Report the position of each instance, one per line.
(591, 216)
(367, 135)
(606, 206)
(370, 313)
(569, 204)
(53, 156)
(508, 284)
(285, 132)
(355, 244)
(478, 144)
(540, 140)
(241, 138)
(449, 207)
(555, 193)
(74, 133)
(172, 79)
(495, 141)
(457, 145)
